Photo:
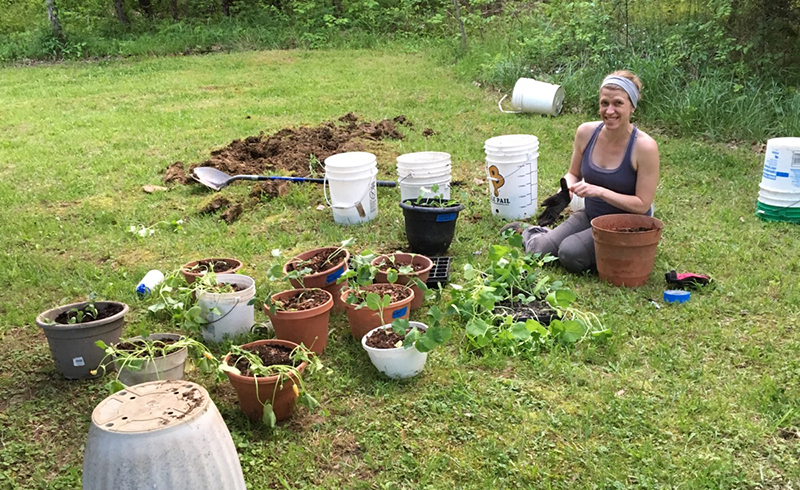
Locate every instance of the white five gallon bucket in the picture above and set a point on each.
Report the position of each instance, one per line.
(418, 173)
(511, 168)
(531, 95)
(782, 166)
(353, 185)
(228, 314)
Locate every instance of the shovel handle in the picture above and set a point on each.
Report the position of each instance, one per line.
(381, 183)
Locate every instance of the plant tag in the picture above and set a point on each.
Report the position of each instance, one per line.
(446, 217)
(78, 362)
(400, 313)
(333, 276)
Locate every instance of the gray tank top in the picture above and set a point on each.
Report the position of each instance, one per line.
(621, 179)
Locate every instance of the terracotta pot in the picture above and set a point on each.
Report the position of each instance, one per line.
(73, 345)
(404, 258)
(362, 320)
(170, 366)
(162, 434)
(191, 275)
(254, 392)
(324, 279)
(625, 258)
(308, 327)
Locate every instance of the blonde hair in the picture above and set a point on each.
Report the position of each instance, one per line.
(630, 76)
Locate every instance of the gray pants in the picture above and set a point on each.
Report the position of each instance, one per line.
(571, 242)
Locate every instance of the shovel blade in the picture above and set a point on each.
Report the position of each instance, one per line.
(211, 177)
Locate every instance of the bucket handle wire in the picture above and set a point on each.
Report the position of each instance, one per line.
(356, 204)
(500, 105)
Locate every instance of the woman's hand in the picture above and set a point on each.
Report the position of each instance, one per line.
(582, 189)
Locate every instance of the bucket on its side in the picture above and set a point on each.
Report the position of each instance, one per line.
(537, 97)
(782, 165)
(511, 168)
(353, 186)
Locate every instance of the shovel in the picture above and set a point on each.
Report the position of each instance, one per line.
(216, 179)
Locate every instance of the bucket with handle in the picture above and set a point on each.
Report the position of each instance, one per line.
(536, 97)
(353, 186)
(418, 174)
(782, 166)
(511, 168)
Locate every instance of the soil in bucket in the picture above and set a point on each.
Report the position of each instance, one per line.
(625, 247)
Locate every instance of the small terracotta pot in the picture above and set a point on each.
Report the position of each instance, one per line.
(308, 327)
(254, 392)
(625, 258)
(362, 320)
(404, 258)
(324, 279)
(191, 275)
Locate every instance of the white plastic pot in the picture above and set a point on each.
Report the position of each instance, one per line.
(162, 434)
(399, 362)
(228, 314)
(166, 367)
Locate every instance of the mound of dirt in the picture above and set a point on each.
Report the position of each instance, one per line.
(290, 150)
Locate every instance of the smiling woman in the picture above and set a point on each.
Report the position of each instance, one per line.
(614, 167)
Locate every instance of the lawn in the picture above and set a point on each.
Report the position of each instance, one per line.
(699, 395)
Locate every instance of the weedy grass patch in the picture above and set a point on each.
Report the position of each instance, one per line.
(698, 395)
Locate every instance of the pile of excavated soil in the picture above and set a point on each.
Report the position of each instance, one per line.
(290, 151)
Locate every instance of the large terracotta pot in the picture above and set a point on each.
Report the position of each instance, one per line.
(72, 345)
(324, 279)
(308, 327)
(190, 273)
(405, 259)
(161, 434)
(362, 320)
(625, 247)
(254, 392)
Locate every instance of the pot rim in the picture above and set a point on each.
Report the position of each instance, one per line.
(52, 313)
(598, 222)
(185, 267)
(316, 310)
(412, 256)
(297, 258)
(408, 205)
(420, 325)
(346, 292)
(263, 379)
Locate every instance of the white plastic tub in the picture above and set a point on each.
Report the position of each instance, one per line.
(397, 363)
(233, 315)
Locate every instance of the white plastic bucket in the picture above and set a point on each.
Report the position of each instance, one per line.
(234, 315)
(397, 363)
(511, 169)
(423, 159)
(353, 187)
(414, 188)
(782, 165)
(418, 173)
(779, 199)
(536, 97)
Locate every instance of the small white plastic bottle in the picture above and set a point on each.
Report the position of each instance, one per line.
(148, 283)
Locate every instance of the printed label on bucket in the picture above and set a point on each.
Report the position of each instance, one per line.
(399, 313)
(446, 217)
(330, 278)
(78, 362)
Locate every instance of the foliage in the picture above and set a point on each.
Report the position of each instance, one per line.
(515, 275)
(285, 373)
(175, 300)
(427, 339)
(145, 351)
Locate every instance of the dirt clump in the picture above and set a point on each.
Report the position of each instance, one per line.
(232, 213)
(215, 205)
(270, 189)
(175, 173)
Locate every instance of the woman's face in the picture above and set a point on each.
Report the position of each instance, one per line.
(615, 107)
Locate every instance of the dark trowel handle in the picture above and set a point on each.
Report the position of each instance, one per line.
(381, 183)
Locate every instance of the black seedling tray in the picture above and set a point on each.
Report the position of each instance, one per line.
(440, 271)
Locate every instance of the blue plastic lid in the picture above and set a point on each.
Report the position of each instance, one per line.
(142, 289)
(676, 296)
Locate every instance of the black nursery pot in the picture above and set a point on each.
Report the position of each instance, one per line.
(430, 227)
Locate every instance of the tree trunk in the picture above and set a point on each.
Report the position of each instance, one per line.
(147, 8)
(461, 26)
(123, 18)
(226, 7)
(52, 16)
(173, 4)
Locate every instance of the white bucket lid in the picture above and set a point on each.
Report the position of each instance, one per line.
(786, 142)
(350, 160)
(511, 143)
(423, 157)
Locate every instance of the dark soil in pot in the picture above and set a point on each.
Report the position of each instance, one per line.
(139, 344)
(226, 287)
(104, 310)
(388, 264)
(321, 261)
(397, 294)
(539, 310)
(270, 355)
(218, 266)
(385, 338)
(305, 300)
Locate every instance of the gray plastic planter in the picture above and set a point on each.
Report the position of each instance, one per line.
(73, 345)
(161, 435)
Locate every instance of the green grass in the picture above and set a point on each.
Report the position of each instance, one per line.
(686, 396)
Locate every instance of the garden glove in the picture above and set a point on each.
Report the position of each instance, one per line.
(554, 205)
(686, 279)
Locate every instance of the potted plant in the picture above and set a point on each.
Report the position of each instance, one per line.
(73, 329)
(301, 316)
(318, 268)
(430, 224)
(409, 269)
(268, 378)
(400, 350)
(156, 357)
(218, 265)
(625, 247)
(369, 305)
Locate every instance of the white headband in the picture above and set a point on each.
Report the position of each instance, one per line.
(625, 84)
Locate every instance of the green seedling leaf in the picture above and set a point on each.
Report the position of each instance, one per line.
(561, 298)
(435, 314)
(307, 401)
(275, 272)
(268, 418)
(476, 327)
(392, 275)
(400, 326)
(114, 386)
(570, 331)
(520, 332)
(373, 301)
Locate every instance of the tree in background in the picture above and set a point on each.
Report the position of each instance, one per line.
(55, 23)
